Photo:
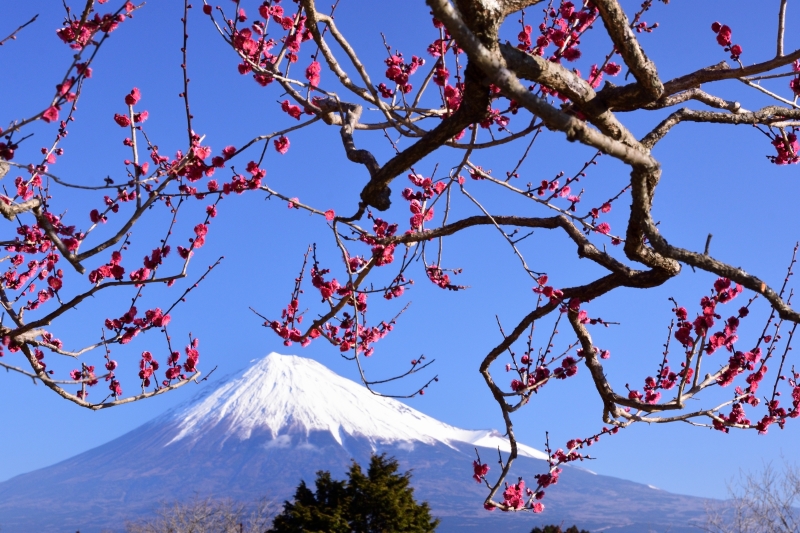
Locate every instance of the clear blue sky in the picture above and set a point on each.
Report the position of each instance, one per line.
(716, 180)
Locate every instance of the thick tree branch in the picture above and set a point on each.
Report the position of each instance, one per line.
(585, 247)
(11, 210)
(352, 113)
(48, 228)
(619, 29)
(699, 95)
(642, 219)
(631, 97)
(781, 27)
(512, 6)
(766, 116)
(473, 107)
(495, 68)
(605, 391)
(566, 82)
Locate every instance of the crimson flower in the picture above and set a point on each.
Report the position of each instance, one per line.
(282, 143)
(794, 85)
(133, 97)
(293, 110)
(122, 120)
(479, 470)
(612, 69)
(312, 73)
(50, 114)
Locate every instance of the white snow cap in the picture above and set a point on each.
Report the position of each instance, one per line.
(283, 391)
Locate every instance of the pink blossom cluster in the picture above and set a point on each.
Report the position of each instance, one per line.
(723, 293)
(724, 33)
(79, 34)
(382, 254)
(153, 318)
(438, 277)
(519, 497)
(562, 28)
(399, 72)
(420, 212)
(787, 147)
(554, 295)
(479, 471)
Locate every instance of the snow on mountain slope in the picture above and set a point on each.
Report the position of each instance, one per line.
(263, 430)
(287, 393)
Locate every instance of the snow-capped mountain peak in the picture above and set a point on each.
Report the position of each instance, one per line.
(285, 393)
(283, 420)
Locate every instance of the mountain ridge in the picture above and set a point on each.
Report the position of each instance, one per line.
(260, 431)
(247, 404)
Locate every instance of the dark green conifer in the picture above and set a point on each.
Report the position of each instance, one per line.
(557, 529)
(382, 501)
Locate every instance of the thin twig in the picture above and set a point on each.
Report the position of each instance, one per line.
(15, 32)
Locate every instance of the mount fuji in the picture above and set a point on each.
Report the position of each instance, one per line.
(262, 430)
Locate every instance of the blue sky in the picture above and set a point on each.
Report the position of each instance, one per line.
(716, 180)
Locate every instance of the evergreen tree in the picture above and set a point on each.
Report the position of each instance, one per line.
(557, 529)
(315, 512)
(382, 501)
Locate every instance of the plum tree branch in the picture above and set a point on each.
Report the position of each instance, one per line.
(630, 98)
(11, 210)
(781, 27)
(766, 116)
(13, 34)
(580, 92)
(494, 66)
(512, 6)
(619, 29)
(473, 107)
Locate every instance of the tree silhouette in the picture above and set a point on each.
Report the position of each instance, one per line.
(382, 501)
(557, 529)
